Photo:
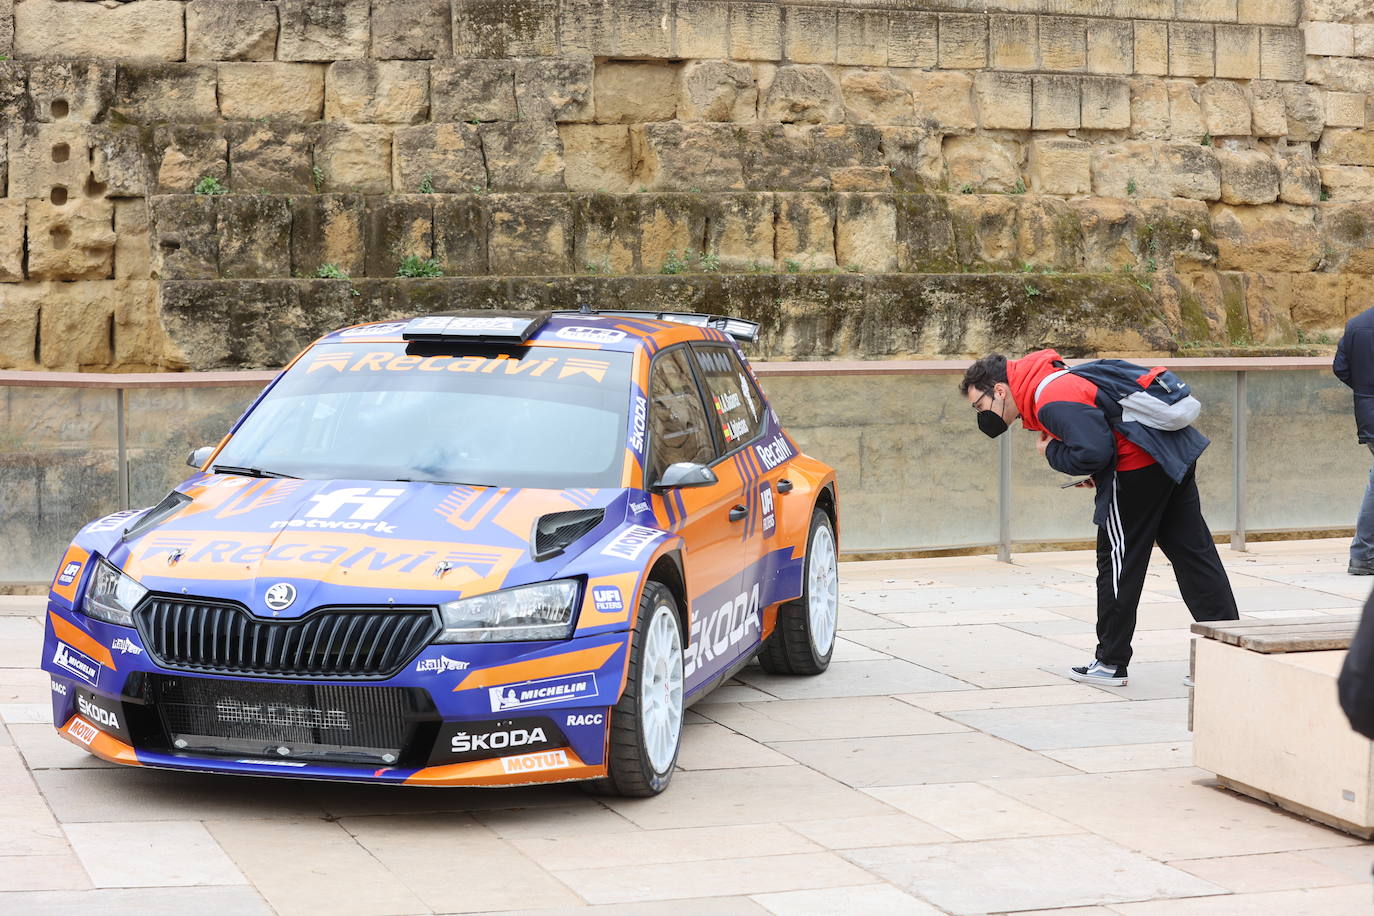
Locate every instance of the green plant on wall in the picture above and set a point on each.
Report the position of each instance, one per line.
(412, 265)
(209, 186)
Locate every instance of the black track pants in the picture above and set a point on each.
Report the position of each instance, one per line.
(1150, 509)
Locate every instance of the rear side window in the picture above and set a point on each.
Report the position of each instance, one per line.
(735, 404)
(679, 429)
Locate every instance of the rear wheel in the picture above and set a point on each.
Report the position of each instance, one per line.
(804, 638)
(646, 725)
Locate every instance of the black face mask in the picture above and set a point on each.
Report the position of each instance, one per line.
(990, 422)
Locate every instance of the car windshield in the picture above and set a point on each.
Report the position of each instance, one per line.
(547, 417)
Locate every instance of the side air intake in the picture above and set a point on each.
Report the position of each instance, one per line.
(555, 531)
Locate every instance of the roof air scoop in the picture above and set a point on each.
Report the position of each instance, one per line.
(555, 531)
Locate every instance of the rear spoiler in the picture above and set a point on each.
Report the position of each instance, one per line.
(739, 328)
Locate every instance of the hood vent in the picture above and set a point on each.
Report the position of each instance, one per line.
(555, 531)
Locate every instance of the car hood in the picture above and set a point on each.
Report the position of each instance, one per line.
(351, 541)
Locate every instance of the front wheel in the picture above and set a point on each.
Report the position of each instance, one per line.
(646, 725)
(804, 638)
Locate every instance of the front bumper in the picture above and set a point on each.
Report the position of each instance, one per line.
(455, 715)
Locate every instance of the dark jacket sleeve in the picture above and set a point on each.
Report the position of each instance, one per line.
(1341, 365)
(1085, 444)
(1357, 676)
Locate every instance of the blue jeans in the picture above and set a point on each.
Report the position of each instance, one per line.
(1362, 547)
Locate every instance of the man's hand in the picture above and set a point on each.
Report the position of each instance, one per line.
(1086, 484)
(1043, 443)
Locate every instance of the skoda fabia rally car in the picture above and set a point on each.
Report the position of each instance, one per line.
(471, 549)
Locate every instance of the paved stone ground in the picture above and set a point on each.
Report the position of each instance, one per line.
(941, 765)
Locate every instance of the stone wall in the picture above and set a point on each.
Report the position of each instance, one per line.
(211, 183)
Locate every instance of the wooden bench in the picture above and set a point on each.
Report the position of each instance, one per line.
(1266, 719)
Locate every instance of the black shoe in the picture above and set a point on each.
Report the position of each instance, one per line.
(1098, 673)
(1361, 569)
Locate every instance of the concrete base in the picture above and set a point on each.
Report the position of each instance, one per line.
(1270, 726)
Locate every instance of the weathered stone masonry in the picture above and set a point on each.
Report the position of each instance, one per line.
(868, 178)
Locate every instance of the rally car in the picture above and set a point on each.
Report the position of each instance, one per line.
(471, 549)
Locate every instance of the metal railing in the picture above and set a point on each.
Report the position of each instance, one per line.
(912, 467)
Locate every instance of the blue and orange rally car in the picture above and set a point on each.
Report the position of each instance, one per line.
(476, 549)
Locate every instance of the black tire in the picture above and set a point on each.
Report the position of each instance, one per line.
(790, 648)
(631, 772)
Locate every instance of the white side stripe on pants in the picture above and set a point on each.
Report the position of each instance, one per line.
(1117, 538)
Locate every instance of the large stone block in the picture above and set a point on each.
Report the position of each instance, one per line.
(714, 90)
(1300, 182)
(981, 164)
(1268, 12)
(1190, 171)
(596, 157)
(1111, 234)
(231, 30)
(1152, 48)
(808, 35)
(1329, 39)
(739, 230)
(1275, 237)
(1186, 118)
(377, 92)
(119, 167)
(861, 38)
(1056, 103)
(1306, 112)
(132, 252)
(555, 90)
(242, 324)
(1012, 42)
(1343, 74)
(1128, 170)
(11, 244)
(1111, 46)
(1192, 49)
(1004, 100)
(254, 236)
(781, 157)
(442, 158)
(985, 230)
(1063, 43)
(1346, 109)
(43, 157)
(324, 30)
(866, 232)
(185, 241)
(328, 229)
(803, 94)
(877, 97)
(1225, 109)
(460, 235)
(685, 156)
(512, 28)
(415, 30)
(607, 233)
(166, 92)
(1149, 108)
(473, 90)
(354, 158)
(1344, 146)
(143, 30)
(271, 158)
(84, 89)
(1106, 103)
(1281, 54)
(186, 153)
(913, 39)
(248, 91)
(631, 92)
(523, 156)
(925, 234)
(945, 98)
(643, 28)
(804, 232)
(755, 31)
(1048, 234)
(1348, 238)
(1347, 182)
(1268, 113)
(703, 31)
(1238, 52)
(529, 236)
(1061, 167)
(1248, 177)
(72, 241)
(396, 228)
(75, 325)
(963, 42)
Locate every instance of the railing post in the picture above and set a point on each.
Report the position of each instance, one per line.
(122, 453)
(1239, 422)
(1004, 498)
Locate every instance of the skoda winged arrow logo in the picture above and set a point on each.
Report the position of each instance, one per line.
(280, 596)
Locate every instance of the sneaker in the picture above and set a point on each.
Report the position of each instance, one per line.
(1188, 681)
(1098, 673)
(1361, 569)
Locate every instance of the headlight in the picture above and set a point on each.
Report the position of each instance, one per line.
(543, 611)
(112, 596)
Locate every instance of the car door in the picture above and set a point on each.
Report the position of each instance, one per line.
(720, 626)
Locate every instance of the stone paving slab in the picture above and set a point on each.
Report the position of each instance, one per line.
(944, 764)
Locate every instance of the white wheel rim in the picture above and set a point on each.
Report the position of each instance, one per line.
(823, 591)
(660, 690)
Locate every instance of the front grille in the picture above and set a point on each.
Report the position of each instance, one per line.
(288, 721)
(198, 635)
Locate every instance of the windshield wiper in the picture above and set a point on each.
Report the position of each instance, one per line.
(443, 483)
(246, 472)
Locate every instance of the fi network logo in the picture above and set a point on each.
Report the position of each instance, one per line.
(367, 504)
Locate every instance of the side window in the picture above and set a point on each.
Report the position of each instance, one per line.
(736, 405)
(678, 426)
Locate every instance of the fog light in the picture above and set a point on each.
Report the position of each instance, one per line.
(284, 751)
(180, 743)
(388, 758)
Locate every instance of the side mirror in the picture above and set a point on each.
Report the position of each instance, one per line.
(199, 456)
(685, 474)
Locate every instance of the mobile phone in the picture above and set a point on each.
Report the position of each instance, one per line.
(1073, 483)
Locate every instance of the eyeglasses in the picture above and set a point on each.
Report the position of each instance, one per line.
(986, 394)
